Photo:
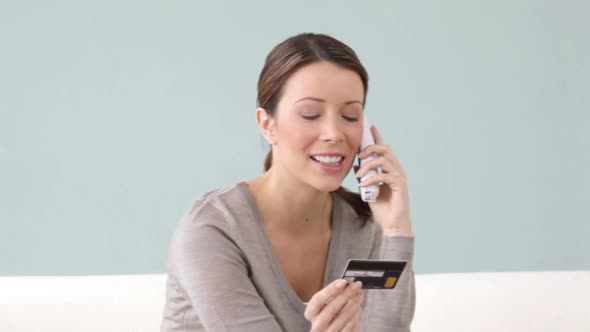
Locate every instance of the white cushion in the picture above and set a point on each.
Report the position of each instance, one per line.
(506, 302)
(82, 303)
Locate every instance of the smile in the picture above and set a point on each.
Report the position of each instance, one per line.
(332, 161)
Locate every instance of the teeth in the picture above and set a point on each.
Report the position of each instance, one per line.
(328, 159)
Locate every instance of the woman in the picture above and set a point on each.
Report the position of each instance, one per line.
(266, 254)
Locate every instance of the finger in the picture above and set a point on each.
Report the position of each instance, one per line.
(376, 135)
(321, 298)
(336, 307)
(379, 150)
(383, 150)
(357, 322)
(348, 314)
(333, 308)
(354, 325)
(385, 164)
(374, 149)
(385, 178)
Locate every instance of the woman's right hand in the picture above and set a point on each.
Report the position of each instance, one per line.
(337, 307)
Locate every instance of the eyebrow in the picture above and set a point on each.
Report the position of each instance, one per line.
(319, 100)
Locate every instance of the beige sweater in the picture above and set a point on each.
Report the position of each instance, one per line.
(223, 274)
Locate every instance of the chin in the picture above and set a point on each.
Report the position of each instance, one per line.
(327, 185)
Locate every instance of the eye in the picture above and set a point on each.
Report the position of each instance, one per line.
(310, 117)
(350, 118)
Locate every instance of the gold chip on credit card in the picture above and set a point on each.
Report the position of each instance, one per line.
(390, 282)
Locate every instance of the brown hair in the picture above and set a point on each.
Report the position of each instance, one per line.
(292, 54)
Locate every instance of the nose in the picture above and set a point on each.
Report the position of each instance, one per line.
(331, 130)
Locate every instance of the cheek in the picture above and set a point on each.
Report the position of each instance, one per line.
(355, 136)
(297, 139)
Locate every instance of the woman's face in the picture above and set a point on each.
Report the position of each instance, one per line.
(318, 124)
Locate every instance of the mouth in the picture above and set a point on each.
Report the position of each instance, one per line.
(330, 161)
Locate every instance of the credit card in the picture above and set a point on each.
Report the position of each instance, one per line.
(374, 273)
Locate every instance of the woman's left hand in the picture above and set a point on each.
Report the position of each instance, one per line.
(391, 209)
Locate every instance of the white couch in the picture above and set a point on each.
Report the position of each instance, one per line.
(474, 302)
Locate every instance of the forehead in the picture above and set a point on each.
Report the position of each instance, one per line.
(324, 80)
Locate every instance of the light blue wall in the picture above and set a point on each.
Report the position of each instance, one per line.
(116, 115)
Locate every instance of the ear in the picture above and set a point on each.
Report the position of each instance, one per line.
(266, 125)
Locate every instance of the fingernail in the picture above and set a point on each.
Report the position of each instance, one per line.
(357, 285)
(341, 283)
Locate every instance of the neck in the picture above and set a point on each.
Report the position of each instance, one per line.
(291, 205)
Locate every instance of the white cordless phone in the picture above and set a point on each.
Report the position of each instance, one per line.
(369, 193)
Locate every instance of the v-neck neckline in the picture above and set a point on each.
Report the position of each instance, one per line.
(294, 299)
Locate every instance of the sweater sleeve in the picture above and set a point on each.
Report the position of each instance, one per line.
(211, 276)
(392, 310)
